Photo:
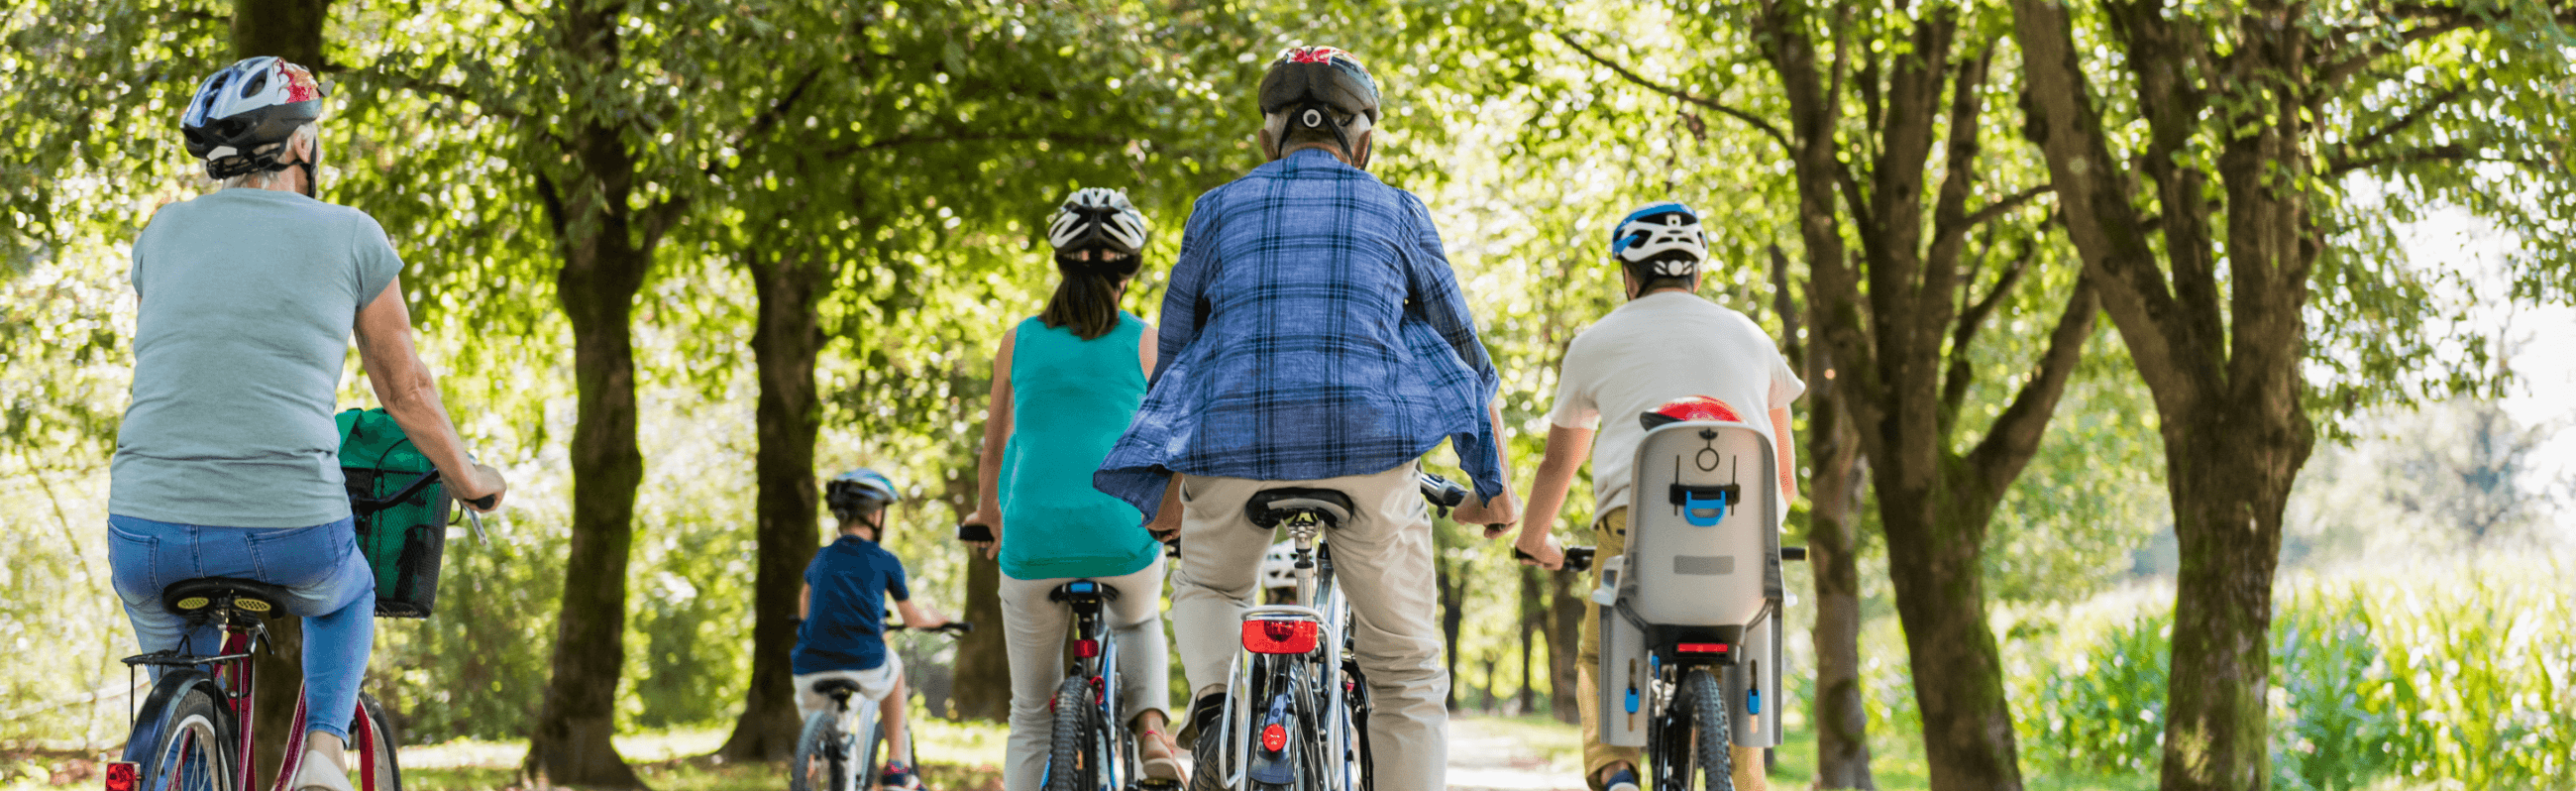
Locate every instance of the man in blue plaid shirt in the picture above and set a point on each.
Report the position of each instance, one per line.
(1314, 336)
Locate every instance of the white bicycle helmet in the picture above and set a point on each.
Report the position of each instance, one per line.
(1098, 218)
(1660, 240)
(1279, 566)
(241, 117)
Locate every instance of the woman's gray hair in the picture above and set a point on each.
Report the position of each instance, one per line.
(263, 179)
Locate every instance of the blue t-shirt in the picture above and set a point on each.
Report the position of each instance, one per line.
(845, 614)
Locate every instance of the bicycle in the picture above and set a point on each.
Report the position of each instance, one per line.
(1298, 668)
(837, 751)
(194, 732)
(1089, 752)
(1683, 635)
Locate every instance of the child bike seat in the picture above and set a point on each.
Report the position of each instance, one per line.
(239, 598)
(1272, 506)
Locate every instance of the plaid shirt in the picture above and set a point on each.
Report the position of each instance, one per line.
(1313, 329)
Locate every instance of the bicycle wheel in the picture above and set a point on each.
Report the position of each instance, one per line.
(1074, 750)
(192, 747)
(820, 764)
(379, 771)
(1709, 724)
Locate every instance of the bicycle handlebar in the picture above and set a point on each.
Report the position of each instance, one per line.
(955, 627)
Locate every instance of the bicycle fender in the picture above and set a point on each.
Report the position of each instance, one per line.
(176, 683)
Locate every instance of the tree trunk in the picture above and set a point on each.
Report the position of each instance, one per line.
(1453, 616)
(1935, 558)
(290, 29)
(2228, 523)
(2225, 370)
(607, 249)
(785, 342)
(570, 745)
(983, 687)
(1833, 550)
(1533, 611)
(1566, 596)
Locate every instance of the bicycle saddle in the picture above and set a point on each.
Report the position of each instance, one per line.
(1268, 508)
(203, 595)
(836, 687)
(1082, 589)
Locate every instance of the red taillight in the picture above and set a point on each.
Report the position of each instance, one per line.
(1701, 648)
(1273, 737)
(123, 775)
(1280, 637)
(1086, 648)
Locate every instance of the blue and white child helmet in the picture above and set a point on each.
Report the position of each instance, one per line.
(858, 493)
(1660, 240)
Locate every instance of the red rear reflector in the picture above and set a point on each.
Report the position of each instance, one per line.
(1086, 648)
(1280, 637)
(123, 775)
(1274, 738)
(1702, 648)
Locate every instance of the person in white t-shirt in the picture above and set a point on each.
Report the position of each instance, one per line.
(1666, 343)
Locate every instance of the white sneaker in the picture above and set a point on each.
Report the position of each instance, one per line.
(316, 773)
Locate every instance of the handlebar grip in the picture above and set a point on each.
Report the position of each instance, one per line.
(1793, 553)
(1576, 558)
(1442, 491)
(974, 532)
(486, 501)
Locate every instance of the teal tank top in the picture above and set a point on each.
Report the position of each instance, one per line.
(1070, 401)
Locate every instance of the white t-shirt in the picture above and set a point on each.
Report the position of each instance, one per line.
(1654, 349)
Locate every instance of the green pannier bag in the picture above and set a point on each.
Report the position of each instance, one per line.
(401, 534)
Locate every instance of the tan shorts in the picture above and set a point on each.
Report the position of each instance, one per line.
(874, 684)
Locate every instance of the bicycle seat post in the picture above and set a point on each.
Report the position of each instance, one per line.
(1302, 529)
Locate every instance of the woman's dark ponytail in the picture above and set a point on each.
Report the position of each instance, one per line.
(1086, 300)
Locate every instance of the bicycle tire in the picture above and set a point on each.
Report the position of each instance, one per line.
(383, 771)
(1709, 726)
(1074, 749)
(820, 765)
(192, 745)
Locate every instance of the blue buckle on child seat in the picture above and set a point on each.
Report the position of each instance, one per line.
(1705, 506)
(1081, 587)
(1632, 700)
(1753, 702)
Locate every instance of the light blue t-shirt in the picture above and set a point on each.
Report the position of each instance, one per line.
(248, 299)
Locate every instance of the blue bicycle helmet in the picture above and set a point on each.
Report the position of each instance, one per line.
(858, 493)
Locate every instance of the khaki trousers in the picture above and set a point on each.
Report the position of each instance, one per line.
(1382, 560)
(1610, 537)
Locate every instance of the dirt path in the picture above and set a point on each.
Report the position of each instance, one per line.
(1484, 756)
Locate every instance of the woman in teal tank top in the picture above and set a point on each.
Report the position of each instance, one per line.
(1065, 385)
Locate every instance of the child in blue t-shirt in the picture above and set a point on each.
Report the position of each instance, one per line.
(843, 607)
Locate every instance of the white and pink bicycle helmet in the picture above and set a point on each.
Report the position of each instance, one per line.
(242, 116)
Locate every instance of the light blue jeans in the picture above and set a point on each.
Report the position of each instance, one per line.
(326, 580)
